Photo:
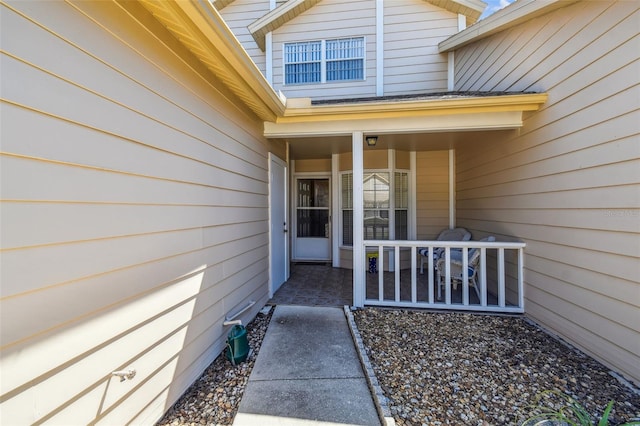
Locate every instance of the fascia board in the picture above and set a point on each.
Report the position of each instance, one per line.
(397, 125)
(419, 108)
(512, 15)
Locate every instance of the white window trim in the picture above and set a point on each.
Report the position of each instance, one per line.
(323, 62)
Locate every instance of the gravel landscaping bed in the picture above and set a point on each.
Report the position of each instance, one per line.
(457, 368)
(213, 399)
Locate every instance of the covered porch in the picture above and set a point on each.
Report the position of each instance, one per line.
(377, 178)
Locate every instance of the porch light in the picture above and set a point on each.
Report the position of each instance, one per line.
(371, 140)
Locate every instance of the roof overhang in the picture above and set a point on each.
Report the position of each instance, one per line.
(290, 9)
(510, 16)
(199, 27)
(301, 119)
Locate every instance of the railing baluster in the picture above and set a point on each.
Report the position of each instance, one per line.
(483, 276)
(501, 280)
(465, 276)
(380, 273)
(447, 275)
(430, 274)
(521, 278)
(396, 262)
(414, 275)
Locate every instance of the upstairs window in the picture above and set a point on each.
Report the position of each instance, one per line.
(324, 61)
(303, 62)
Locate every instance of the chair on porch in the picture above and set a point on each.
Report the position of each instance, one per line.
(456, 234)
(473, 260)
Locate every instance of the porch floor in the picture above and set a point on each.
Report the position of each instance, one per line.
(315, 285)
(319, 284)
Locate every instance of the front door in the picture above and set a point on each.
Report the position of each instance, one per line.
(277, 215)
(313, 231)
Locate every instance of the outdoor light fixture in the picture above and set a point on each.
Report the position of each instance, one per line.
(371, 140)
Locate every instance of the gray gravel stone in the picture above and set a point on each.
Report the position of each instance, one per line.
(458, 368)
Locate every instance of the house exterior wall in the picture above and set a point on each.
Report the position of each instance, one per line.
(432, 193)
(134, 216)
(411, 30)
(567, 183)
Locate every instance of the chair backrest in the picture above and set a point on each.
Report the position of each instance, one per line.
(457, 234)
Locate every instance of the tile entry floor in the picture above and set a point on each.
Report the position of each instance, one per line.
(319, 284)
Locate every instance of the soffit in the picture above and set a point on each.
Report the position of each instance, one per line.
(472, 9)
(200, 28)
(279, 16)
(514, 14)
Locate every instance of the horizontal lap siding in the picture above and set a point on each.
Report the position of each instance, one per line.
(567, 183)
(348, 19)
(412, 31)
(239, 15)
(432, 193)
(134, 216)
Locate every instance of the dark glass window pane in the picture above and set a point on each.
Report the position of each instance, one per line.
(401, 225)
(313, 223)
(376, 224)
(347, 227)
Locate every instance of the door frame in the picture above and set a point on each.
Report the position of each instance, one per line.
(293, 213)
(285, 189)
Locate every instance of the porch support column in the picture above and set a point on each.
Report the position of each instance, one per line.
(358, 221)
(335, 210)
(452, 188)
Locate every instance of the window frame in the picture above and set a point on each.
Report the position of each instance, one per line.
(324, 61)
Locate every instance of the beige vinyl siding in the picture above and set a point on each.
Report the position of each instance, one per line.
(134, 216)
(412, 31)
(347, 19)
(432, 193)
(567, 184)
(238, 16)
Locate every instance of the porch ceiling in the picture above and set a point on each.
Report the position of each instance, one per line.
(323, 146)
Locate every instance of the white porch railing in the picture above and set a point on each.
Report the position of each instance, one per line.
(500, 284)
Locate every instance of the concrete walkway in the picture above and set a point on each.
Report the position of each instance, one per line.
(307, 373)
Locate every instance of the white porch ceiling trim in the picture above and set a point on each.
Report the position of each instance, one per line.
(500, 120)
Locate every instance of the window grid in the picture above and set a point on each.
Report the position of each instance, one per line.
(377, 209)
(322, 61)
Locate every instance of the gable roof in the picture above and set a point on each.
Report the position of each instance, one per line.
(508, 17)
(279, 16)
